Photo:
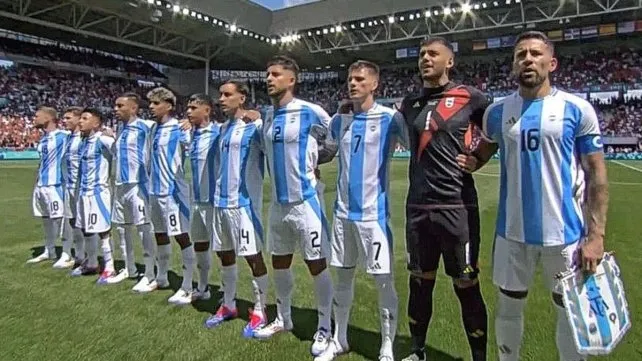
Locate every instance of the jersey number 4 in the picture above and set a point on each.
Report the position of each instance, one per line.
(529, 140)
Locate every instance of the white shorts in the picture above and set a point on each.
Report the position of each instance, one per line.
(301, 224)
(48, 201)
(170, 214)
(369, 242)
(94, 212)
(202, 222)
(238, 229)
(131, 205)
(515, 263)
(71, 202)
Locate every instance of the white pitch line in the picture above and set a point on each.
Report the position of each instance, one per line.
(627, 166)
(615, 183)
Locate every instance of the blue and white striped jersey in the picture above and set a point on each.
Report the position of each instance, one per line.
(95, 163)
(73, 155)
(52, 148)
(169, 148)
(290, 138)
(366, 142)
(132, 152)
(203, 162)
(542, 181)
(240, 168)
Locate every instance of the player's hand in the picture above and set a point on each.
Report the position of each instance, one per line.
(108, 132)
(591, 252)
(467, 162)
(185, 124)
(251, 116)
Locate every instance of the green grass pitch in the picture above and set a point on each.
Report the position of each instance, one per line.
(47, 315)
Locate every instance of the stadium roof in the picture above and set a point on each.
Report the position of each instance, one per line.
(239, 34)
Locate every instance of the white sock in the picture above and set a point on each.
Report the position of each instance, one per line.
(79, 244)
(164, 254)
(260, 286)
(107, 254)
(283, 283)
(228, 284)
(91, 247)
(343, 296)
(149, 249)
(204, 262)
(323, 290)
(509, 326)
(388, 305)
(127, 249)
(189, 259)
(564, 338)
(52, 231)
(67, 238)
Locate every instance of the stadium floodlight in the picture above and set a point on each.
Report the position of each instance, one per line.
(436, 12)
(232, 28)
(309, 33)
(476, 6)
(517, 1)
(418, 15)
(332, 30)
(193, 14)
(220, 23)
(207, 18)
(507, 2)
(369, 23)
(465, 7)
(363, 25)
(447, 10)
(352, 26)
(273, 41)
(391, 19)
(401, 18)
(159, 3)
(199, 16)
(338, 29)
(256, 36)
(411, 17)
(495, 3)
(168, 5)
(245, 32)
(176, 8)
(318, 32)
(185, 11)
(427, 13)
(484, 5)
(325, 31)
(150, 2)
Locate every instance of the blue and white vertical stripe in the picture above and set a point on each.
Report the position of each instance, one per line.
(169, 147)
(133, 153)
(203, 162)
(73, 155)
(366, 142)
(52, 148)
(291, 135)
(240, 169)
(542, 181)
(95, 163)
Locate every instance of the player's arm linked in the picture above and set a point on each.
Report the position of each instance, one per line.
(597, 207)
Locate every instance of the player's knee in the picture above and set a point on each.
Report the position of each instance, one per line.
(519, 295)
(281, 261)
(103, 235)
(431, 275)
(227, 258)
(558, 299)
(463, 283)
(316, 266)
(201, 246)
(256, 265)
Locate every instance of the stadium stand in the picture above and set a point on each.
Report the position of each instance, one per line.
(24, 87)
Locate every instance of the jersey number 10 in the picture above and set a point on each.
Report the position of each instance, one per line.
(529, 140)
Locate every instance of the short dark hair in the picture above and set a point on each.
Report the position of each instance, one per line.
(364, 64)
(240, 87)
(202, 99)
(76, 111)
(437, 39)
(536, 35)
(286, 62)
(95, 112)
(132, 97)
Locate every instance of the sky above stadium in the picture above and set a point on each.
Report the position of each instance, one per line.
(280, 4)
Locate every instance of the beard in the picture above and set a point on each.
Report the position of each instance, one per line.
(531, 80)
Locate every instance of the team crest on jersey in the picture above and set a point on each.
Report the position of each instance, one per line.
(449, 102)
(511, 121)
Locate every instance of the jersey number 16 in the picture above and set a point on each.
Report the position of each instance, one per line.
(529, 140)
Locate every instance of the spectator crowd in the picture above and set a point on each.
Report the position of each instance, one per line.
(23, 88)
